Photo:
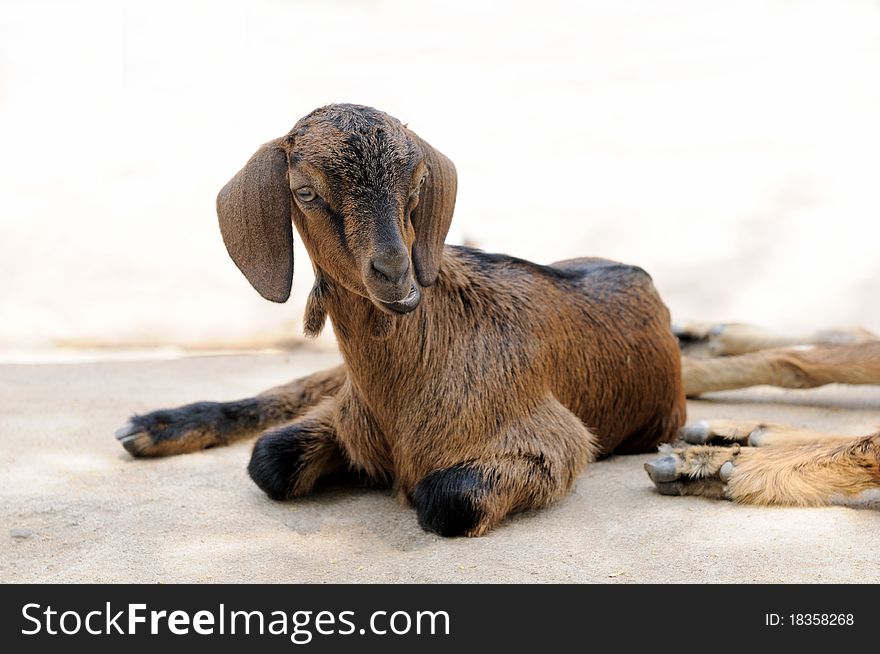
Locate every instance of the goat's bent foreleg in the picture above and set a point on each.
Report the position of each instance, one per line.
(845, 474)
(858, 363)
(287, 461)
(207, 424)
(536, 463)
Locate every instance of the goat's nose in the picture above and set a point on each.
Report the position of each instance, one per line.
(391, 266)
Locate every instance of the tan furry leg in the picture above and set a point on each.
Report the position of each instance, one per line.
(726, 339)
(787, 368)
(755, 434)
(692, 470)
(846, 474)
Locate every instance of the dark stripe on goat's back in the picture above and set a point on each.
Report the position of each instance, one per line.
(487, 263)
(601, 273)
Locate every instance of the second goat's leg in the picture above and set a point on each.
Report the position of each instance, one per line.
(846, 474)
(858, 363)
(726, 339)
(755, 434)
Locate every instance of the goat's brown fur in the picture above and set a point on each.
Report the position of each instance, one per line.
(475, 384)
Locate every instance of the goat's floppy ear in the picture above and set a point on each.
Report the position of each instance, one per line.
(433, 215)
(254, 211)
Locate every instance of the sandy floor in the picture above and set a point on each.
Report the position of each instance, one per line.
(75, 508)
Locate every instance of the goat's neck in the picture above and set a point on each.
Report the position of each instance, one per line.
(390, 357)
(377, 347)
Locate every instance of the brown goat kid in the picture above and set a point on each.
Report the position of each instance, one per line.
(475, 384)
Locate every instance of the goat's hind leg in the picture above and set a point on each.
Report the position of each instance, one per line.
(846, 474)
(201, 425)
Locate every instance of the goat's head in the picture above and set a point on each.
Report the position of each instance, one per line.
(370, 199)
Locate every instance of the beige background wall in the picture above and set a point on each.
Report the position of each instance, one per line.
(731, 148)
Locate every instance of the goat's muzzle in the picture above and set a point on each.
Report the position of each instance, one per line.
(407, 304)
(389, 279)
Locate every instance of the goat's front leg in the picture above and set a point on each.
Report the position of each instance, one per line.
(207, 424)
(846, 474)
(287, 461)
(536, 463)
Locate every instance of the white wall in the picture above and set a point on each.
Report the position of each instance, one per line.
(731, 148)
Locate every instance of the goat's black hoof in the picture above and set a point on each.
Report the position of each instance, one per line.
(697, 433)
(276, 463)
(448, 501)
(134, 439)
(662, 470)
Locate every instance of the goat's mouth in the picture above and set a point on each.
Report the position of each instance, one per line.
(407, 304)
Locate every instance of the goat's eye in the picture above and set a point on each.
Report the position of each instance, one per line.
(306, 194)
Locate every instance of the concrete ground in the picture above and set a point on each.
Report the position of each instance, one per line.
(74, 507)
